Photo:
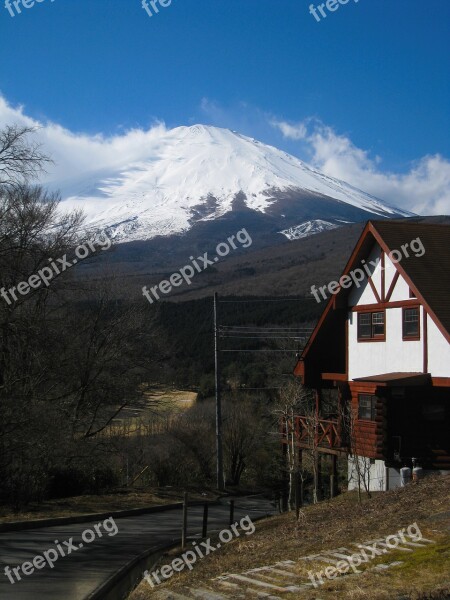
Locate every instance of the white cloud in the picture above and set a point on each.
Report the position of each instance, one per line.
(424, 189)
(294, 131)
(79, 155)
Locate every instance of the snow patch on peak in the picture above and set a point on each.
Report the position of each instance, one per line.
(308, 228)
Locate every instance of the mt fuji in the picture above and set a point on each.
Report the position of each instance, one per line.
(195, 176)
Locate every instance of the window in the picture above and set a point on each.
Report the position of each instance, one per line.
(371, 326)
(367, 407)
(411, 323)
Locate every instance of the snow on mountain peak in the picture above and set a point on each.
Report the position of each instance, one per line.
(195, 173)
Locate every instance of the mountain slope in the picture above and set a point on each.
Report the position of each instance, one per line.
(200, 174)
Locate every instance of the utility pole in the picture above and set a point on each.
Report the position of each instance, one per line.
(220, 482)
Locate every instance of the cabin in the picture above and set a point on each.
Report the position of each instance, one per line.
(379, 357)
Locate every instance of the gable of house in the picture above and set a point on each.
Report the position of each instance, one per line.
(408, 266)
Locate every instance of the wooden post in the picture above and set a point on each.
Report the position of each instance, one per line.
(231, 512)
(285, 481)
(300, 467)
(334, 475)
(319, 475)
(297, 495)
(184, 530)
(205, 520)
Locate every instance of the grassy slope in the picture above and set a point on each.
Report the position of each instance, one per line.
(425, 573)
(85, 505)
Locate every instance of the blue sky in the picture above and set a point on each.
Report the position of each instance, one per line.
(369, 83)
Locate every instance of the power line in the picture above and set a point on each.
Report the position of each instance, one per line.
(265, 300)
(262, 337)
(288, 350)
(228, 327)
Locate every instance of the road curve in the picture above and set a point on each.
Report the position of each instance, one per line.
(77, 575)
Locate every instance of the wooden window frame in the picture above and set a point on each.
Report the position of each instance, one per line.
(372, 338)
(373, 407)
(411, 338)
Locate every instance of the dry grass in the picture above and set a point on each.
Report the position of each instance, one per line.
(154, 414)
(424, 574)
(85, 505)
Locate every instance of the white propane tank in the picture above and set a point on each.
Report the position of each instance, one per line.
(405, 476)
(417, 473)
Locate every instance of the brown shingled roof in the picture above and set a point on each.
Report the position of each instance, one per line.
(430, 274)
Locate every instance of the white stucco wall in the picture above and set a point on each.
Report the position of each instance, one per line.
(376, 477)
(374, 358)
(373, 474)
(438, 352)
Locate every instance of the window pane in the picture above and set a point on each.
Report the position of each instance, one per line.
(411, 322)
(364, 325)
(367, 407)
(378, 323)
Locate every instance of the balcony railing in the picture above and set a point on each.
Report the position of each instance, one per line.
(314, 433)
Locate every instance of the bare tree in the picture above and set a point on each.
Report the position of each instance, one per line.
(241, 435)
(71, 354)
(360, 472)
(20, 159)
(296, 401)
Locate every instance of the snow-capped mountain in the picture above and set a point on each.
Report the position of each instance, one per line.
(199, 174)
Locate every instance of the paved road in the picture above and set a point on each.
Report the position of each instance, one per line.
(79, 574)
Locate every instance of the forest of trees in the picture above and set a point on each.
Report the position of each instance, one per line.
(72, 355)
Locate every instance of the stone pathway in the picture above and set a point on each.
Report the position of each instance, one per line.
(285, 577)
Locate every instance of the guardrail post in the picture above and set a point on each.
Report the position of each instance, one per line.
(185, 511)
(231, 512)
(205, 520)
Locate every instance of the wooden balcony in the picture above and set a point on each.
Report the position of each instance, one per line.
(323, 435)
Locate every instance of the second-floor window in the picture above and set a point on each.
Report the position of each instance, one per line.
(371, 326)
(411, 323)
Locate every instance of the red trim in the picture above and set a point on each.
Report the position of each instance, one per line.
(409, 281)
(334, 376)
(392, 286)
(377, 338)
(441, 381)
(374, 290)
(425, 341)
(383, 276)
(331, 300)
(384, 305)
(299, 370)
(347, 362)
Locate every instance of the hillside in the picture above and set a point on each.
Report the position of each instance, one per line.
(288, 268)
(280, 553)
